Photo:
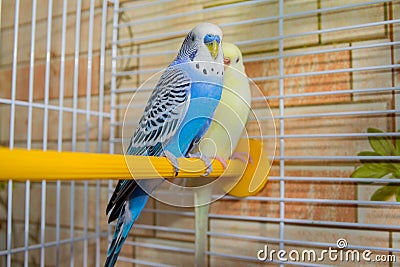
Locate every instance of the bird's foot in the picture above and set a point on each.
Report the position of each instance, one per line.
(206, 161)
(242, 156)
(222, 161)
(173, 160)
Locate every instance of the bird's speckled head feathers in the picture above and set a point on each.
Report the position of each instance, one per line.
(202, 43)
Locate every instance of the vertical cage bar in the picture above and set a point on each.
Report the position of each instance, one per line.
(113, 89)
(62, 76)
(45, 131)
(98, 192)
(281, 129)
(42, 223)
(85, 223)
(9, 222)
(89, 74)
(58, 196)
(76, 73)
(100, 121)
(47, 75)
(14, 75)
(29, 130)
(74, 125)
(26, 229)
(88, 107)
(12, 128)
(31, 76)
(113, 73)
(102, 72)
(72, 222)
(60, 125)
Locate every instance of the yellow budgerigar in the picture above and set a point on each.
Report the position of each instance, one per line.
(224, 133)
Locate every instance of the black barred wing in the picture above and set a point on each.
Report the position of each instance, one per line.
(162, 116)
(163, 113)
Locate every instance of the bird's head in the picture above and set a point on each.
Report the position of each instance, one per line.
(203, 43)
(232, 56)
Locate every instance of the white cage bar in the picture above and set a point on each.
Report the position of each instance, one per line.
(328, 69)
(47, 104)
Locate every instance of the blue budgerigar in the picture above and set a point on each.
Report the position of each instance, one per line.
(177, 115)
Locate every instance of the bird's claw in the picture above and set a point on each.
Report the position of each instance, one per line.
(222, 161)
(242, 156)
(206, 161)
(173, 160)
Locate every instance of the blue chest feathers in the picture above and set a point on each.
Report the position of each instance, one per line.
(205, 93)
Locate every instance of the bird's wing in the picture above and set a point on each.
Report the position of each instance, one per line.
(162, 116)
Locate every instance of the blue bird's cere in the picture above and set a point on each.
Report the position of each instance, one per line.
(212, 42)
(177, 115)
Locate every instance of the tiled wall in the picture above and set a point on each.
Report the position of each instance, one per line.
(150, 38)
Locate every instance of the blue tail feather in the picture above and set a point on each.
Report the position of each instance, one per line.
(127, 217)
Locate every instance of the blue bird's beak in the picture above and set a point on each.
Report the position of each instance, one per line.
(213, 48)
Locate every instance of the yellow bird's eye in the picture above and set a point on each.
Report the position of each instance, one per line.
(227, 61)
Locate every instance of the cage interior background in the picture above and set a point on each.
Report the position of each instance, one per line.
(328, 69)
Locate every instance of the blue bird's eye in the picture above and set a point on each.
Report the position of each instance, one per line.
(217, 39)
(209, 38)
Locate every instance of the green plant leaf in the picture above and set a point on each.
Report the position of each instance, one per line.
(372, 170)
(398, 194)
(396, 174)
(380, 144)
(368, 154)
(382, 164)
(384, 192)
(397, 144)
